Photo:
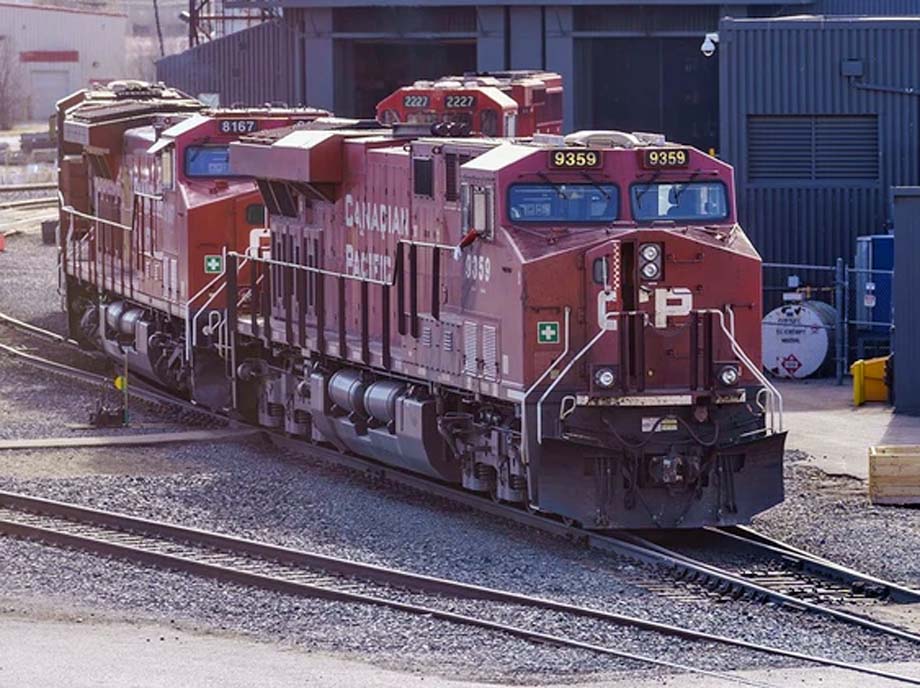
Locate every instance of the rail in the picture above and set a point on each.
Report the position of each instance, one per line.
(312, 574)
(683, 568)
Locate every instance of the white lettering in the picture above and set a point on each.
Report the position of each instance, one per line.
(367, 264)
(349, 210)
(376, 217)
(670, 303)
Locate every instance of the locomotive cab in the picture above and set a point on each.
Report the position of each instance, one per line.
(650, 399)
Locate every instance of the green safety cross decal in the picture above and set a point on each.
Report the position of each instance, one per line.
(213, 264)
(548, 332)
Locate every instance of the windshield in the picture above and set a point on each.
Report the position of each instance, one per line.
(679, 201)
(566, 203)
(207, 161)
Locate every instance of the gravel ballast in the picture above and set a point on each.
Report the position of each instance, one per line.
(252, 489)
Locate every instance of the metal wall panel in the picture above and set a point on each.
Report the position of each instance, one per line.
(907, 333)
(794, 67)
(250, 67)
(891, 8)
(42, 40)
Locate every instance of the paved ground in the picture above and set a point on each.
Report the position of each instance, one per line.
(823, 422)
(39, 650)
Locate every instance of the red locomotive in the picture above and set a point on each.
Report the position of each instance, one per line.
(565, 323)
(143, 169)
(505, 104)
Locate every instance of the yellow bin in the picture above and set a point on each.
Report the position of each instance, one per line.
(869, 380)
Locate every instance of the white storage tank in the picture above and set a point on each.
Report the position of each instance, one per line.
(798, 338)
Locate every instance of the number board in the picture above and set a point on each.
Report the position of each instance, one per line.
(416, 101)
(459, 101)
(238, 126)
(574, 159)
(665, 158)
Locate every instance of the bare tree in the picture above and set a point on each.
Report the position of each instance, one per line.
(11, 94)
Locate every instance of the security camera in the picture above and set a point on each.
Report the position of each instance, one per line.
(708, 48)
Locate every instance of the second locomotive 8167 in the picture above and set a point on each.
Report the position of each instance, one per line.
(567, 323)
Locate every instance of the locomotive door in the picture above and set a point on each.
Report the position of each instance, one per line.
(604, 305)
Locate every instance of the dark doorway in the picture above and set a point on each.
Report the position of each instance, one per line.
(366, 72)
(661, 85)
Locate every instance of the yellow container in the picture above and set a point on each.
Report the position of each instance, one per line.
(869, 380)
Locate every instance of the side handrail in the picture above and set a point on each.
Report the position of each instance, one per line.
(539, 380)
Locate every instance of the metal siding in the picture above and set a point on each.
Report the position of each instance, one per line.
(871, 7)
(250, 67)
(646, 20)
(792, 67)
(907, 332)
(99, 39)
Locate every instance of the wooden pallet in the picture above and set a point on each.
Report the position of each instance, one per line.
(894, 474)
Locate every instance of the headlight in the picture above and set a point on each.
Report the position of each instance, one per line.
(729, 376)
(650, 261)
(650, 252)
(650, 271)
(605, 377)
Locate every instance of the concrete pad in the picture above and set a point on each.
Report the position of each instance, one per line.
(823, 423)
(36, 652)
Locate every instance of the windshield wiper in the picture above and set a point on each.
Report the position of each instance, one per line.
(558, 187)
(648, 187)
(596, 185)
(683, 187)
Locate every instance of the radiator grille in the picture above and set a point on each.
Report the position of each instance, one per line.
(470, 348)
(490, 352)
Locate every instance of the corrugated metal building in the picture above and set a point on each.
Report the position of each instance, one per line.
(631, 65)
(252, 66)
(819, 117)
(53, 51)
(816, 150)
(907, 333)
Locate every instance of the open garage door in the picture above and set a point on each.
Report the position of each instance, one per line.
(649, 84)
(367, 71)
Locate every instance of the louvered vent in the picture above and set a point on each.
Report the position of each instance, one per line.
(813, 148)
(846, 148)
(451, 187)
(490, 352)
(447, 340)
(426, 335)
(470, 348)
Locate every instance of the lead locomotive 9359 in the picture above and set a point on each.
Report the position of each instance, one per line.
(566, 323)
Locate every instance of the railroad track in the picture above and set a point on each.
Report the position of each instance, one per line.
(28, 204)
(310, 574)
(781, 567)
(43, 191)
(137, 387)
(680, 574)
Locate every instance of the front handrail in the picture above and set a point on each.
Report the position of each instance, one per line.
(587, 347)
(773, 409)
(775, 399)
